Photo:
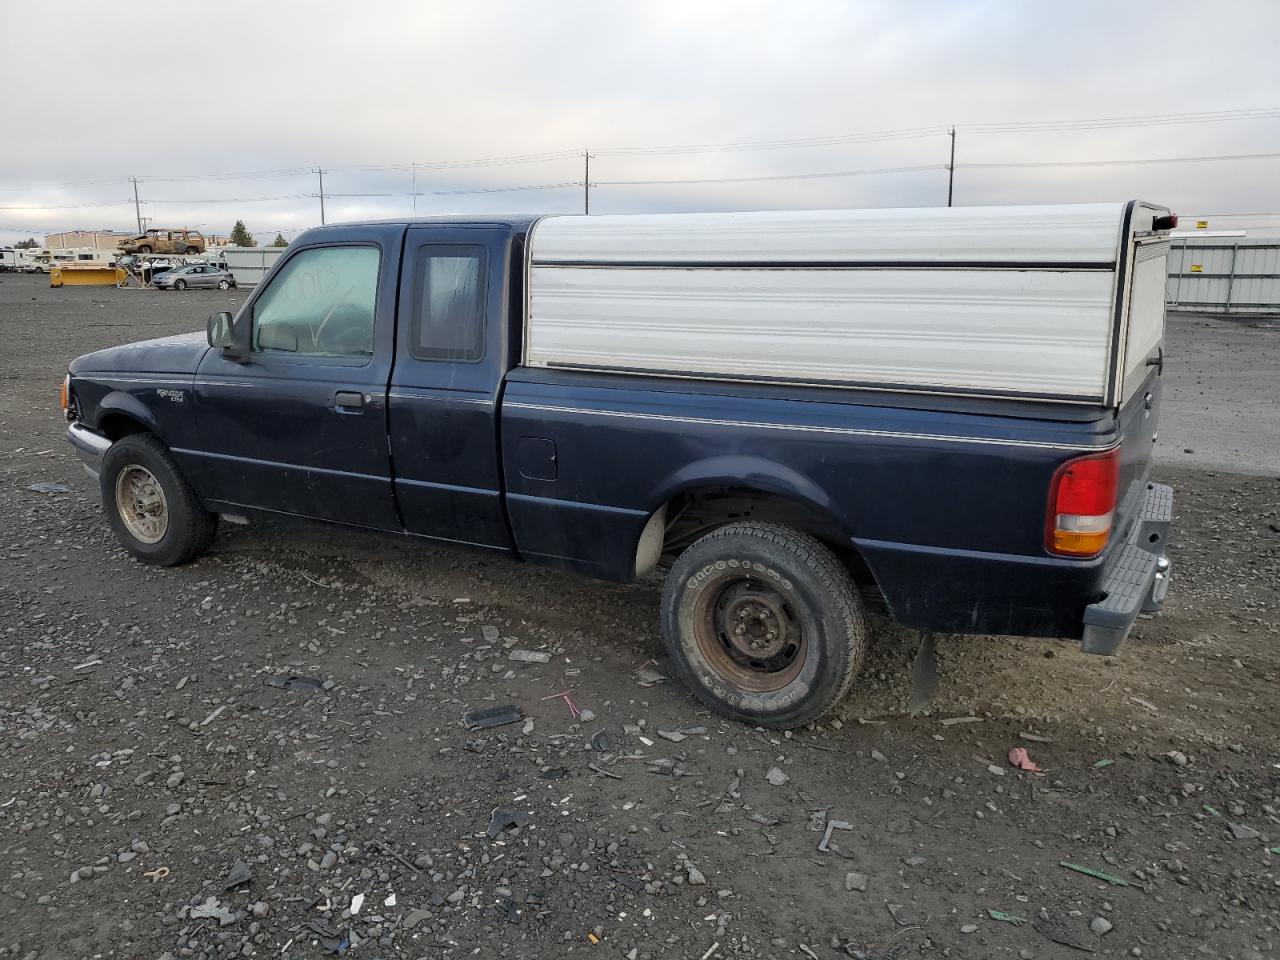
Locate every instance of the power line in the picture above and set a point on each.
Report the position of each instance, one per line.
(1118, 163)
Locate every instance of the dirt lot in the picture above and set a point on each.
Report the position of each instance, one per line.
(145, 757)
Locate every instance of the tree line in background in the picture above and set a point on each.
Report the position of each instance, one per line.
(241, 237)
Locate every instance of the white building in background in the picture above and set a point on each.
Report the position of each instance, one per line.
(108, 240)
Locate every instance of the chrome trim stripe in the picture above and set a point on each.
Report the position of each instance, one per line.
(160, 378)
(838, 431)
(281, 466)
(440, 396)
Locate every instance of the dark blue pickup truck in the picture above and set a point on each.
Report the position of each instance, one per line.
(951, 411)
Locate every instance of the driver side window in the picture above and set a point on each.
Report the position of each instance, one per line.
(321, 303)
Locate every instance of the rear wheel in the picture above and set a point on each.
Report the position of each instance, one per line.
(152, 509)
(191, 251)
(764, 623)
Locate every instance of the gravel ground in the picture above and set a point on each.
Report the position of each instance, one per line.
(170, 790)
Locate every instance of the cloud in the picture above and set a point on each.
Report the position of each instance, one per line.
(258, 87)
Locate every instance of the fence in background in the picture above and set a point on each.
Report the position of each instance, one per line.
(1224, 275)
(250, 264)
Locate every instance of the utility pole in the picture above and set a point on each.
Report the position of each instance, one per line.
(137, 207)
(951, 167)
(414, 188)
(586, 183)
(321, 175)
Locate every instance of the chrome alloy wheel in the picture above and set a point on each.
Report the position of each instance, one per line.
(141, 504)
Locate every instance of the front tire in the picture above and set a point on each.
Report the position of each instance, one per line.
(224, 285)
(764, 624)
(152, 509)
(179, 284)
(144, 249)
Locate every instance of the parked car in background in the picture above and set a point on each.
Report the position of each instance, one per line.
(160, 240)
(195, 275)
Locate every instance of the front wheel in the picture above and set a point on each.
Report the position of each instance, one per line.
(764, 623)
(179, 284)
(144, 249)
(152, 509)
(224, 285)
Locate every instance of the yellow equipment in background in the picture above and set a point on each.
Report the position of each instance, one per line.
(86, 275)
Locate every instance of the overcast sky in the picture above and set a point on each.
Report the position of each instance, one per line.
(102, 92)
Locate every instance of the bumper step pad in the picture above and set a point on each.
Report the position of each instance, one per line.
(1137, 577)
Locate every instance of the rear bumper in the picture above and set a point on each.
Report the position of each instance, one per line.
(89, 445)
(1136, 577)
(974, 592)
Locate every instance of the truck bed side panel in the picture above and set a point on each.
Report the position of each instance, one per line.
(947, 508)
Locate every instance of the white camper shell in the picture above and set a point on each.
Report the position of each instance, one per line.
(1059, 303)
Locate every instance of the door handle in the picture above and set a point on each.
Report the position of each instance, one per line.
(348, 401)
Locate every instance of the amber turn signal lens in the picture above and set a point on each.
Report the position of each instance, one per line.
(64, 393)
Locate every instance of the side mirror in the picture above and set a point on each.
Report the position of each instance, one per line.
(224, 334)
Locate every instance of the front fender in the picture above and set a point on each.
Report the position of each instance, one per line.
(121, 402)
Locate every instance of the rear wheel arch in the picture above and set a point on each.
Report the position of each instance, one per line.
(698, 508)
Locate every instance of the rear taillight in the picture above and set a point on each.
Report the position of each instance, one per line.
(1082, 505)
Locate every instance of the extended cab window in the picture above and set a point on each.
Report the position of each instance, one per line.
(448, 312)
(320, 303)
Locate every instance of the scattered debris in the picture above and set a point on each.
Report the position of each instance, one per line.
(46, 486)
(1242, 832)
(647, 676)
(825, 843)
(390, 901)
(356, 903)
(600, 741)
(710, 951)
(1104, 762)
(568, 702)
(1035, 737)
(95, 662)
(504, 817)
(156, 875)
(239, 874)
(1007, 917)
(288, 681)
(213, 716)
(492, 717)
(528, 656)
(855, 882)
(1210, 810)
(213, 909)
(595, 768)
(1096, 874)
(1059, 931)
(675, 736)
(333, 939)
(1177, 758)
(969, 928)
(1019, 758)
(952, 721)
(776, 777)
(1101, 926)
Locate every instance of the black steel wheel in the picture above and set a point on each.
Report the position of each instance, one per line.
(764, 623)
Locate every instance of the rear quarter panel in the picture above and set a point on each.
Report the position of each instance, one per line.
(937, 501)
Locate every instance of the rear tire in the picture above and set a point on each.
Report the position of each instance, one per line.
(152, 509)
(764, 624)
(192, 251)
